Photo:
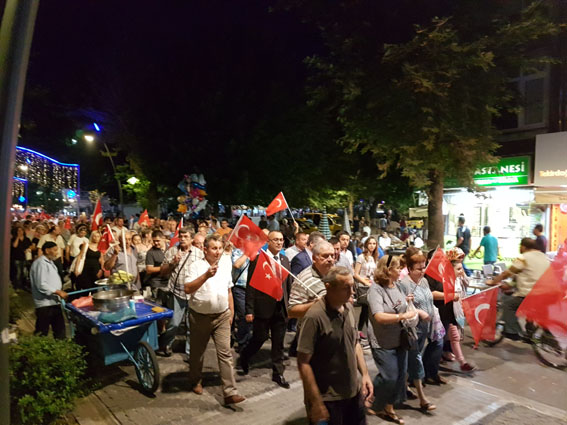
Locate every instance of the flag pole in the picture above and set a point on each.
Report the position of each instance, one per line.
(126, 256)
(283, 196)
(296, 278)
(235, 226)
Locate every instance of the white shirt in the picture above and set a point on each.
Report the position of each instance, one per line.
(291, 252)
(212, 296)
(348, 254)
(385, 242)
(75, 243)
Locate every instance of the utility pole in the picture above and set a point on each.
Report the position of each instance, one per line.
(16, 33)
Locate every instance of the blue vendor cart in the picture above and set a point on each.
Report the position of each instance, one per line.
(134, 339)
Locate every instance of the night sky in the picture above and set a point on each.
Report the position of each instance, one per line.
(193, 79)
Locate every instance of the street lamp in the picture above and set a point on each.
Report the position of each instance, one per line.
(90, 138)
(133, 180)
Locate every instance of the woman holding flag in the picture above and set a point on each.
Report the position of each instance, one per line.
(453, 312)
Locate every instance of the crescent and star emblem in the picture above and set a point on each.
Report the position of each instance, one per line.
(240, 228)
(269, 271)
(479, 309)
(279, 201)
(98, 218)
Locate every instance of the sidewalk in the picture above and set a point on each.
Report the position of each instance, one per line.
(511, 387)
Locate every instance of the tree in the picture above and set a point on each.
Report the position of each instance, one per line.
(426, 106)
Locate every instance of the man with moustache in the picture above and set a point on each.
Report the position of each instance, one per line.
(211, 314)
(268, 315)
(176, 263)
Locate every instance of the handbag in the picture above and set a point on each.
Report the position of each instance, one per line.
(437, 328)
(361, 294)
(408, 333)
(408, 338)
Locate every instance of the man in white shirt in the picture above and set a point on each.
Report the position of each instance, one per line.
(300, 244)
(344, 239)
(211, 314)
(527, 269)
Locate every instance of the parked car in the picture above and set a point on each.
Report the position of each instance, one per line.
(313, 220)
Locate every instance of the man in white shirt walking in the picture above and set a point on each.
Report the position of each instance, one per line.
(211, 314)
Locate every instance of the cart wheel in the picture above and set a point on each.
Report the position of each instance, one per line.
(147, 368)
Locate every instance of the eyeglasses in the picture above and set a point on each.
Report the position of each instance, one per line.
(277, 240)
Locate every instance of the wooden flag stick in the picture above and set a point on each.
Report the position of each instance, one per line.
(297, 226)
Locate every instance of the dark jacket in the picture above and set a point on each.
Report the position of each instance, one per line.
(300, 262)
(262, 305)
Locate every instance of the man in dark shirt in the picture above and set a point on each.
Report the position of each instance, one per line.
(464, 241)
(154, 260)
(330, 356)
(541, 240)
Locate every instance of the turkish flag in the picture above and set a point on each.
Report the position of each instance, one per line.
(441, 269)
(68, 223)
(106, 239)
(278, 204)
(175, 238)
(248, 237)
(97, 216)
(268, 276)
(480, 311)
(144, 219)
(546, 304)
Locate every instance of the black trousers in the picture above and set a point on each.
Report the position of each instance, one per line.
(346, 412)
(50, 316)
(261, 328)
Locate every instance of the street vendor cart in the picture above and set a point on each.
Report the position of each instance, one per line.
(133, 339)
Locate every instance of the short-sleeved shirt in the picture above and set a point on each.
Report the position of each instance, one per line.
(490, 245)
(422, 296)
(528, 268)
(465, 233)
(178, 276)
(311, 279)
(239, 276)
(75, 243)
(212, 296)
(541, 243)
(120, 263)
(387, 336)
(154, 258)
(331, 337)
(49, 238)
(367, 266)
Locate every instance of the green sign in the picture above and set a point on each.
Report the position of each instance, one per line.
(512, 171)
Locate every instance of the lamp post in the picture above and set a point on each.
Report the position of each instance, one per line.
(90, 138)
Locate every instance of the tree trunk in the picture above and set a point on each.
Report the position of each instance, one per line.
(153, 200)
(435, 223)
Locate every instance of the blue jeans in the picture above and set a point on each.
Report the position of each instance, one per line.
(390, 383)
(243, 328)
(426, 364)
(180, 311)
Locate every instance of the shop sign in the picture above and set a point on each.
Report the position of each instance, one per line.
(550, 164)
(510, 171)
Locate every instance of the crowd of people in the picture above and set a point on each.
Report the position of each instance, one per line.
(204, 279)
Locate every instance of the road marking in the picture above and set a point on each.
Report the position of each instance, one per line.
(478, 415)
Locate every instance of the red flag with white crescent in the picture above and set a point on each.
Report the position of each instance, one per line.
(278, 204)
(546, 304)
(144, 219)
(106, 239)
(248, 237)
(441, 269)
(480, 311)
(97, 216)
(175, 238)
(268, 276)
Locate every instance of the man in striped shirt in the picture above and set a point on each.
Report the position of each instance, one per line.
(176, 265)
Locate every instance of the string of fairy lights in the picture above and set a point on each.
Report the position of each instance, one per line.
(35, 167)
